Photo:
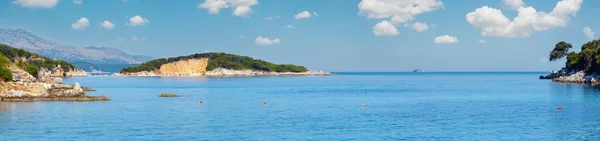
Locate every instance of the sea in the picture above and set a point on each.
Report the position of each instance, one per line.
(346, 106)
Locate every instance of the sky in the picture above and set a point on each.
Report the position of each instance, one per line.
(330, 35)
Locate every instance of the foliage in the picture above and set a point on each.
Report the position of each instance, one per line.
(220, 60)
(5, 73)
(33, 61)
(560, 50)
(587, 60)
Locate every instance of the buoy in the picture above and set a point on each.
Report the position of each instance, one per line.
(362, 105)
(265, 103)
(200, 101)
(559, 107)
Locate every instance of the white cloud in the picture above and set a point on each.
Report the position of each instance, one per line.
(242, 8)
(137, 21)
(80, 24)
(242, 11)
(513, 4)
(589, 33)
(302, 15)
(289, 26)
(36, 3)
(418, 26)
(107, 25)
(482, 41)
(242, 37)
(445, 39)
(385, 28)
(77, 1)
(120, 39)
(315, 13)
(269, 18)
(493, 23)
(400, 11)
(134, 38)
(266, 41)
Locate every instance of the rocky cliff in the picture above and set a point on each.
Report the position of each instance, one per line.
(184, 67)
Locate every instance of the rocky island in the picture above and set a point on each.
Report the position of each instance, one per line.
(26, 77)
(216, 65)
(582, 67)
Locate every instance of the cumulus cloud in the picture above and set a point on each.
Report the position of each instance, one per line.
(289, 26)
(77, 1)
(137, 21)
(315, 13)
(589, 33)
(445, 39)
(242, 8)
(107, 25)
(513, 4)
(302, 15)
(36, 3)
(400, 11)
(482, 41)
(80, 24)
(266, 41)
(418, 26)
(493, 23)
(385, 28)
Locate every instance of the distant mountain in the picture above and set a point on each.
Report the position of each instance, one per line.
(19, 38)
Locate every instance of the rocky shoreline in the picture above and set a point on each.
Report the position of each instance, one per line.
(47, 86)
(572, 76)
(221, 72)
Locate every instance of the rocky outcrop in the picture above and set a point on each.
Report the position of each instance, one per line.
(579, 77)
(184, 67)
(26, 88)
(555, 74)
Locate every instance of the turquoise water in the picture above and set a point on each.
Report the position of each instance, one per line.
(398, 106)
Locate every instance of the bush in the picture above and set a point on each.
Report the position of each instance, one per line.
(5, 74)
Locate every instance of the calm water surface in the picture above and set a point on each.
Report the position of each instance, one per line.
(399, 106)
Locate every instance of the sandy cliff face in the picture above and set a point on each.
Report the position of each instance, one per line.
(184, 67)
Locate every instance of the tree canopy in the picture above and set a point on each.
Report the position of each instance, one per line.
(587, 60)
(560, 50)
(220, 60)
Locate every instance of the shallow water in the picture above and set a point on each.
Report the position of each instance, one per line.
(398, 106)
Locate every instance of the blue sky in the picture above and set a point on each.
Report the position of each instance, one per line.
(343, 37)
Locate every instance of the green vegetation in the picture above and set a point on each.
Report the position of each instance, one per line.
(560, 50)
(32, 61)
(220, 60)
(587, 60)
(5, 73)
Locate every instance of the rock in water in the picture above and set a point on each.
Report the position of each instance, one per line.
(168, 95)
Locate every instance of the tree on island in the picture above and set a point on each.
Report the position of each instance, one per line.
(588, 59)
(560, 50)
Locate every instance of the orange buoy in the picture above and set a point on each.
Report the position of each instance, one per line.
(200, 101)
(362, 105)
(559, 107)
(265, 103)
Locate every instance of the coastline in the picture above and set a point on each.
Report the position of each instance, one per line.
(220, 72)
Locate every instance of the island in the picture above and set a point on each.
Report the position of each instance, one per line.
(580, 67)
(215, 64)
(26, 77)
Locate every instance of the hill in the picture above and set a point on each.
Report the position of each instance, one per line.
(27, 76)
(219, 60)
(22, 39)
